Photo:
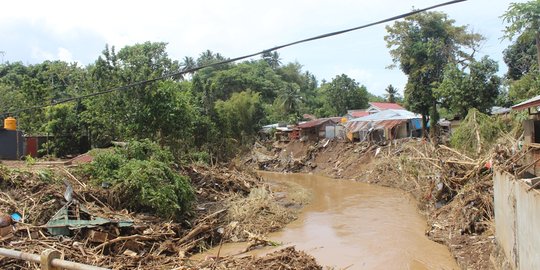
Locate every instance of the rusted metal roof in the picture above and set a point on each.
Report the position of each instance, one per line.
(318, 122)
(358, 114)
(533, 102)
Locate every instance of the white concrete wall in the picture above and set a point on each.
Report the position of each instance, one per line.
(517, 221)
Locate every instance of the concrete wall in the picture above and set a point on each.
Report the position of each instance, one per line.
(517, 221)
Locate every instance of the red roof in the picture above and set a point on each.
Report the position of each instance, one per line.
(385, 106)
(359, 114)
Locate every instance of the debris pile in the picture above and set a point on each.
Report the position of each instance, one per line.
(287, 258)
(86, 225)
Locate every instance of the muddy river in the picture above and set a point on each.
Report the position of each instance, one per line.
(351, 225)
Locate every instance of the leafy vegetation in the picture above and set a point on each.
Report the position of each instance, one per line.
(423, 45)
(217, 111)
(141, 175)
(459, 91)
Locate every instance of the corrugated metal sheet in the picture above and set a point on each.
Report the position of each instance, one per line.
(318, 122)
(533, 102)
(11, 144)
(366, 125)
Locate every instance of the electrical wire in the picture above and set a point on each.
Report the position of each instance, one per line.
(191, 70)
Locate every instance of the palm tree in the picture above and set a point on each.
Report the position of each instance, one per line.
(188, 63)
(272, 58)
(391, 94)
(290, 99)
(206, 57)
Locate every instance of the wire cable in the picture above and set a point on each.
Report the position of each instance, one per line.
(191, 70)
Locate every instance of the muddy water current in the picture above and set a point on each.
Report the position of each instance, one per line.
(351, 225)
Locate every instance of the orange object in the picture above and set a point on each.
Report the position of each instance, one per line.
(10, 123)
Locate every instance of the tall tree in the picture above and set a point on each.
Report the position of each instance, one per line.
(391, 93)
(521, 57)
(423, 45)
(290, 99)
(342, 94)
(524, 19)
(188, 63)
(131, 111)
(241, 115)
(461, 91)
(272, 58)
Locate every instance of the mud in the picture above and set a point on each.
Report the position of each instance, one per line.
(352, 225)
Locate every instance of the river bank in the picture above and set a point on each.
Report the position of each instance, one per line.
(353, 225)
(454, 191)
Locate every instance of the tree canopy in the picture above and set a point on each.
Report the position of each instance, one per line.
(522, 57)
(460, 91)
(342, 94)
(523, 20)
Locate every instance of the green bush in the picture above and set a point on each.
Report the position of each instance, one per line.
(145, 150)
(142, 176)
(105, 166)
(153, 186)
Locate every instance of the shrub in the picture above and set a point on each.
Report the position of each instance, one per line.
(153, 185)
(105, 166)
(146, 150)
(142, 176)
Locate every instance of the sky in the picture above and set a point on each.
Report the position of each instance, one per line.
(32, 31)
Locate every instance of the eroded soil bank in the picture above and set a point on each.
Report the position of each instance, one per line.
(352, 225)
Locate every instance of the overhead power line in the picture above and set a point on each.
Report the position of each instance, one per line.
(191, 70)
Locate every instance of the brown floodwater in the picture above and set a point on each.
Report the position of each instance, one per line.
(352, 225)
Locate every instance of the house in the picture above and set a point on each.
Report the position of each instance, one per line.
(531, 132)
(381, 106)
(319, 128)
(384, 125)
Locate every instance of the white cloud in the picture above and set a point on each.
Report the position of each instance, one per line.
(61, 54)
(238, 27)
(362, 76)
(41, 55)
(64, 55)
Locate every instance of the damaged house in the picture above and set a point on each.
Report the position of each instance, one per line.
(384, 125)
(319, 129)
